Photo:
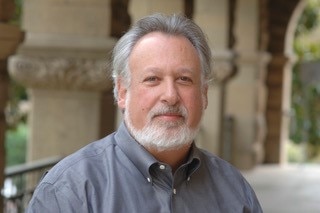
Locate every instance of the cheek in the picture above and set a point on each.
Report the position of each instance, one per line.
(142, 101)
(195, 104)
(195, 99)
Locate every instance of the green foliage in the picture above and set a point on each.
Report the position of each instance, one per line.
(308, 22)
(16, 145)
(313, 93)
(299, 121)
(17, 13)
(310, 17)
(306, 108)
(14, 116)
(16, 134)
(305, 123)
(295, 153)
(307, 52)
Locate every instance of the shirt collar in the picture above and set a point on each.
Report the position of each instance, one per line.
(138, 155)
(143, 160)
(193, 161)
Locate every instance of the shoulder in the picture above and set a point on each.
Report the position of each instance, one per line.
(75, 179)
(217, 164)
(224, 172)
(230, 179)
(82, 162)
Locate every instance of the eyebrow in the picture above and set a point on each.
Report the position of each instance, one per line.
(157, 70)
(186, 70)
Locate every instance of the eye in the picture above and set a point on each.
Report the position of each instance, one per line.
(151, 79)
(185, 79)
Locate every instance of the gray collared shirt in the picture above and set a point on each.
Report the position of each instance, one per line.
(116, 174)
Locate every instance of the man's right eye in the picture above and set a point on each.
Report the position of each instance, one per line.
(151, 79)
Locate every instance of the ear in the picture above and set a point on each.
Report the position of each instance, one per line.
(205, 97)
(122, 94)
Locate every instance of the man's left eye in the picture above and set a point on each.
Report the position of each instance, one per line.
(186, 79)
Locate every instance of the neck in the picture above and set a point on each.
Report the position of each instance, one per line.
(173, 158)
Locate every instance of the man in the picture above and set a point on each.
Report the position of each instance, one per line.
(161, 69)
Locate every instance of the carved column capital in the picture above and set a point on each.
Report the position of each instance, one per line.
(60, 72)
(222, 65)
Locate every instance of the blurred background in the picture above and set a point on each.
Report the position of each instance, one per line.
(264, 103)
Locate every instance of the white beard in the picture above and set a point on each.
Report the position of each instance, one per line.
(162, 135)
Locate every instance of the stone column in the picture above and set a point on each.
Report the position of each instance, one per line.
(246, 93)
(212, 17)
(63, 63)
(281, 26)
(140, 8)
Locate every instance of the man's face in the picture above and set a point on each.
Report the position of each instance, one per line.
(165, 89)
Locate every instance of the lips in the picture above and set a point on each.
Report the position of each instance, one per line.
(169, 113)
(169, 116)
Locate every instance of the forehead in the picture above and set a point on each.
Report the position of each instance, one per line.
(160, 37)
(163, 49)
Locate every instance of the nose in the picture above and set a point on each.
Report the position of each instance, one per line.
(170, 94)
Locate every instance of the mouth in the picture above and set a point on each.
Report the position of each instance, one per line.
(169, 116)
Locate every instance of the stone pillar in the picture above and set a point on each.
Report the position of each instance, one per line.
(246, 93)
(212, 17)
(276, 79)
(140, 8)
(63, 63)
(7, 8)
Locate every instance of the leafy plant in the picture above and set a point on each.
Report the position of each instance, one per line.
(16, 134)
(305, 123)
(16, 145)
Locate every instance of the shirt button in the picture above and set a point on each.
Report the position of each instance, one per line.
(149, 180)
(174, 191)
(162, 167)
(188, 179)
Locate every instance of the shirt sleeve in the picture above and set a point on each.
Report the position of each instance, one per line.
(50, 199)
(252, 199)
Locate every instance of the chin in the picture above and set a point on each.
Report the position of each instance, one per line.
(156, 147)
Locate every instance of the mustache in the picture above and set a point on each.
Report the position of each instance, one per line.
(161, 110)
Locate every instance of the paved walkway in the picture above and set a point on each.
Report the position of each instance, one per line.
(290, 188)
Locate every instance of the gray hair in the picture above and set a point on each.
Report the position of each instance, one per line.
(171, 25)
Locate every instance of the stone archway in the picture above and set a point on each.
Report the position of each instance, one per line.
(281, 21)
